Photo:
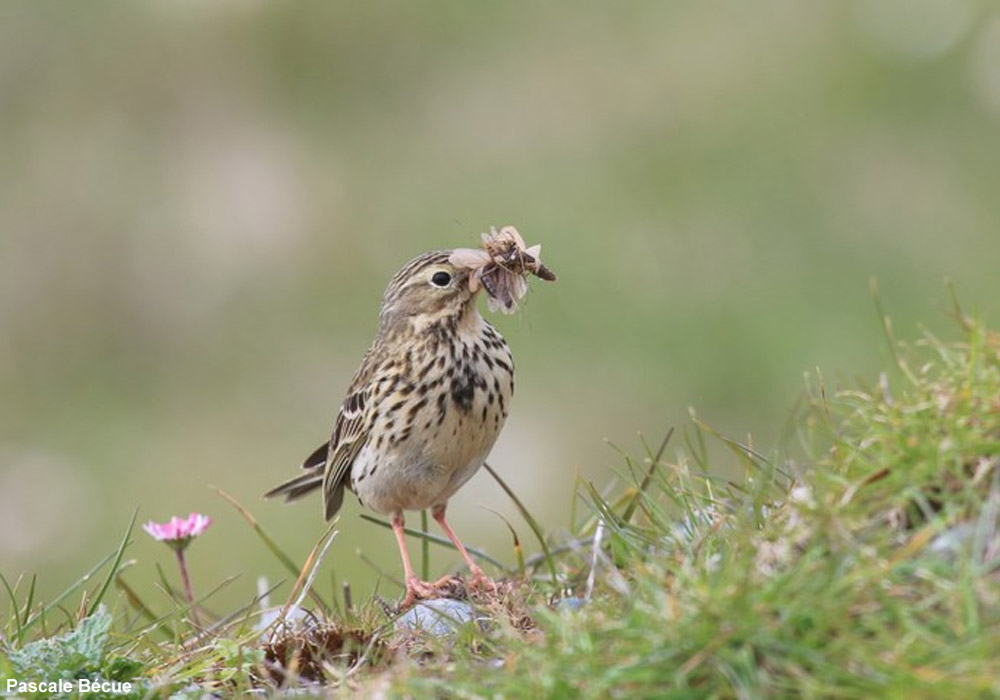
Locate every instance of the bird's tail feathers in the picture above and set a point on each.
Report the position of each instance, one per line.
(296, 488)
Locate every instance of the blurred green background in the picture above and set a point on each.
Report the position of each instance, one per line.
(203, 201)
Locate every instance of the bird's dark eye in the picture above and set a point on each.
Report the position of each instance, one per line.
(440, 279)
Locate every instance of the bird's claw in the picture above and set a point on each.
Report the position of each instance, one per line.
(478, 580)
(425, 590)
(417, 590)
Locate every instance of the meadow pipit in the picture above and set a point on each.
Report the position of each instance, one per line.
(427, 403)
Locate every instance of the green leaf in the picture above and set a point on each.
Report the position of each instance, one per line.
(122, 668)
(66, 655)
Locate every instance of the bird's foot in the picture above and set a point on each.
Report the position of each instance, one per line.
(446, 581)
(479, 581)
(476, 581)
(448, 586)
(417, 590)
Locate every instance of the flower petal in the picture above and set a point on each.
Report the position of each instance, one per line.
(178, 530)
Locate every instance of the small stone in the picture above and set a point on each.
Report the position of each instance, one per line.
(953, 541)
(571, 604)
(440, 617)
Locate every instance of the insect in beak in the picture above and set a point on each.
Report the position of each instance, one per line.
(501, 266)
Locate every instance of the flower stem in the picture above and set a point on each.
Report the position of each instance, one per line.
(187, 586)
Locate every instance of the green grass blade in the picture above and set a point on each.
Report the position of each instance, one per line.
(574, 504)
(269, 543)
(144, 610)
(304, 583)
(167, 588)
(244, 614)
(644, 484)
(264, 537)
(518, 551)
(133, 599)
(114, 566)
(67, 592)
(31, 597)
(890, 337)
(13, 607)
(528, 518)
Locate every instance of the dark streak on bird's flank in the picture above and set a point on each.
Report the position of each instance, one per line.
(463, 391)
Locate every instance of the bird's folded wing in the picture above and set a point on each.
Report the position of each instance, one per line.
(349, 433)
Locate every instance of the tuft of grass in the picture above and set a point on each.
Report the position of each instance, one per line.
(871, 568)
(866, 565)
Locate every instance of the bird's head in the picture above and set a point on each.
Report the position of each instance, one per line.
(428, 289)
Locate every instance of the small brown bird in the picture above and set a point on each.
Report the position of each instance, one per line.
(423, 410)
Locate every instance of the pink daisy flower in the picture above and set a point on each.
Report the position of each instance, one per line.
(178, 532)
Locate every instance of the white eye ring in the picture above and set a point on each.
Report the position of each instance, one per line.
(441, 279)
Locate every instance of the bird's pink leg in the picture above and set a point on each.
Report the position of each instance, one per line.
(478, 578)
(415, 588)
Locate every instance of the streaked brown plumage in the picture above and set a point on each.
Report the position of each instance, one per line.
(422, 411)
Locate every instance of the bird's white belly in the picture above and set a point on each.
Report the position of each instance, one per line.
(401, 483)
(417, 475)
